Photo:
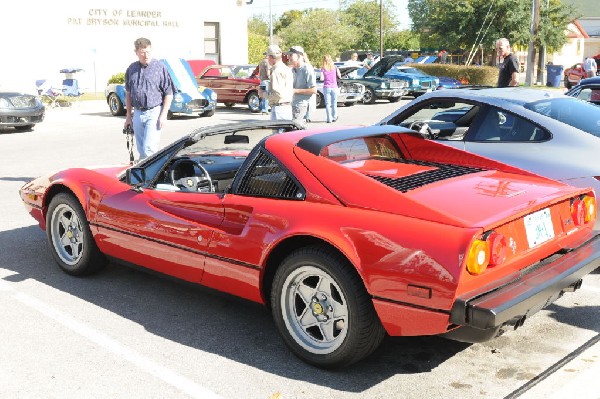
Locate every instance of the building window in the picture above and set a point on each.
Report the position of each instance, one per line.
(211, 41)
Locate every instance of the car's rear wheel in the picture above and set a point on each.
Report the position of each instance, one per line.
(253, 102)
(115, 105)
(322, 309)
(208, 113)
(73, 246)
(567, 83)
(369, 96)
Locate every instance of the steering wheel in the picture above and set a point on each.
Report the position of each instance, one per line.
(189, 175)
(423, 128)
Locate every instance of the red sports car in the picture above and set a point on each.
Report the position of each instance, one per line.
(345, 234)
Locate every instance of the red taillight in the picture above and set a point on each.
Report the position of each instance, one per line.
(583, 209)
(490, 250)
(577, 211)
(497, 248)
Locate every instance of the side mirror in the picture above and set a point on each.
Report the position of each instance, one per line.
(135, 176)
(236, 139)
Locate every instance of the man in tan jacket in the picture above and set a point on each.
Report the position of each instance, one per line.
(281, 85)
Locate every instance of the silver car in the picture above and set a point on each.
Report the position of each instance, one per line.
(542, 131)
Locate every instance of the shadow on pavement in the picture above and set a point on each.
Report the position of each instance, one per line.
(210, 321)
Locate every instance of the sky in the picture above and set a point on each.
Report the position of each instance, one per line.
(278, 7)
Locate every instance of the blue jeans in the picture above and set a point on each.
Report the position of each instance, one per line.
(264, 105)
(330, 94)
(146, 131)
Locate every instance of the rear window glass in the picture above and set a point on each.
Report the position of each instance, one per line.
(579, 114)
(361, 149)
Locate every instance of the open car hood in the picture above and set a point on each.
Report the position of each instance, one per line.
(383, 65)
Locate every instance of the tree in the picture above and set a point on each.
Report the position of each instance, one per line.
(364, 16)
(258, 25)
(465, 24)
(287, 18)
(404, 39)
(258, 39)
(319, 32)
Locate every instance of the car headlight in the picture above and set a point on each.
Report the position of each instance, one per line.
(4, 103)
(178, 98)
(416, 82)
(383, 85)
(213, 95)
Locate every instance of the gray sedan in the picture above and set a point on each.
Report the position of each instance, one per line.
(545, 132)
(20, 109)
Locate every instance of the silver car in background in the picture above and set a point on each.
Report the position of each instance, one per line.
(542, 131)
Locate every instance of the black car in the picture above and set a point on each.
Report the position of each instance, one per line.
(587, 89)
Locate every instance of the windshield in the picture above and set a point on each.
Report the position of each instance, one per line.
(577, 113)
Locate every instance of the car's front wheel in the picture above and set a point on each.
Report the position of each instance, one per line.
(369, 96)
(322, 309)
(115, 105)
(70, 238)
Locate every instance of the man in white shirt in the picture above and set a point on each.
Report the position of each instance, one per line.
(590, 67)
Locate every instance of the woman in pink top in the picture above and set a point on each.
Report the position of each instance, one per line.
(330, 75)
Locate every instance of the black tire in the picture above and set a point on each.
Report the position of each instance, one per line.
(25, 128)
(253, 101)
(229, 105)
(71, 241)
(369, 96)
(115, 105)
(320, 100)
(394, 99)
(567, 83)
(208, 113)
(322, 310)
(349, 104)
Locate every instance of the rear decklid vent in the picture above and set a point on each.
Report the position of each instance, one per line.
(438, 173)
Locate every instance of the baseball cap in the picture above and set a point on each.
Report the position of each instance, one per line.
(273, 49)
(297, 50)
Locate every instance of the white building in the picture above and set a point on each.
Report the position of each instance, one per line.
(44, 37)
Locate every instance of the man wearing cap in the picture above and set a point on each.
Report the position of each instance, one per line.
(305, 84)
(281, 85)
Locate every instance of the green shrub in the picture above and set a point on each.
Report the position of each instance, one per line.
(118, 78)
(474, 75)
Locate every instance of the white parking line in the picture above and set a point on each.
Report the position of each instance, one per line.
(151, 367)
(588, 288)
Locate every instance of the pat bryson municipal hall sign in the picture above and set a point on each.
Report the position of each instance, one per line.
(122, 17)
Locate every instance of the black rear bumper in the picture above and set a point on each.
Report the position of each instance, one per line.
(481, 315)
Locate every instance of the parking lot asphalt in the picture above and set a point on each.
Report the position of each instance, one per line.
(125, 333)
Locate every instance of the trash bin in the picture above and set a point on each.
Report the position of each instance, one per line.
(555, 73)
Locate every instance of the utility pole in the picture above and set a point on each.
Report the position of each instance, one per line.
(270, 24)
(380, 29)
(535, 21)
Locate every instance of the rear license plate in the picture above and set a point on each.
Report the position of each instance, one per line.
(538, 227)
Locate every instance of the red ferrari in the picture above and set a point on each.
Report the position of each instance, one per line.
(347, 235)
